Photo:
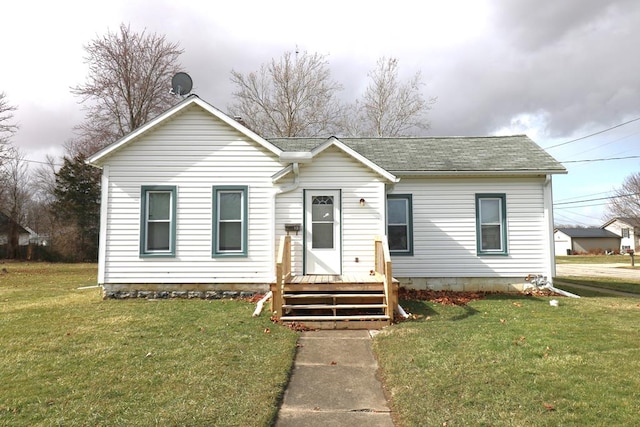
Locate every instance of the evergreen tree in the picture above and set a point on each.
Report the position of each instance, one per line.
(77, 207)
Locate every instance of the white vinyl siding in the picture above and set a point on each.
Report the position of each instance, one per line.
(333, 169)
(444, 228)
(192, 152)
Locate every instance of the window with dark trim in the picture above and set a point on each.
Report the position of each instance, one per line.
(158, 221)
(625, 232)
(491, 224)
(230, 221)
(400, 224)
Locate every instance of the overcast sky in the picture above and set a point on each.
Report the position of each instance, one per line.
(556, 71)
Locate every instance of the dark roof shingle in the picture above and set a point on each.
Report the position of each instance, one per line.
(405, 155)
(590, 232)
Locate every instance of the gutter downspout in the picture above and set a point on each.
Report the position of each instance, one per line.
(284, 189)
(294, 185)
(548, 212)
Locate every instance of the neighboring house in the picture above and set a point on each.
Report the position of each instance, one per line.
(570, 241)
(628, 229)
(5, 230)
(195, 200)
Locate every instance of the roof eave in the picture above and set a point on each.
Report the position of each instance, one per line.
(479, 172)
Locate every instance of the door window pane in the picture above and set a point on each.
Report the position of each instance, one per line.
(322, 222)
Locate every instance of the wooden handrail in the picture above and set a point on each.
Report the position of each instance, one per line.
(283, 273)
(383, 267)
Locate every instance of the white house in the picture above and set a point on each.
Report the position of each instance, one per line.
(194, 200)
(629, 231)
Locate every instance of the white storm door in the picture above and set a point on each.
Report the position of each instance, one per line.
(322, 232)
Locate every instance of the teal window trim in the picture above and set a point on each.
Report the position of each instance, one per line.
(243, 190)
(145, 191)
(408, 223)
(501, 222)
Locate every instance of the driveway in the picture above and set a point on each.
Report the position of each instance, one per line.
(598, 270)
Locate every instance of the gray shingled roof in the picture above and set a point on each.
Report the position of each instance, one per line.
(515, 153)
(588, 232)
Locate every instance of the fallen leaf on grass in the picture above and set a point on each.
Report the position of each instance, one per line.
(334, 363)
(267, 330)
(517, 304)
(519, 341)
(503, 321)
(549, 407)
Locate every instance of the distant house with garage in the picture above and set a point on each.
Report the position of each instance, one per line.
(572, 241)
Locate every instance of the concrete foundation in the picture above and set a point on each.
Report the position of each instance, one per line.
(465, 284)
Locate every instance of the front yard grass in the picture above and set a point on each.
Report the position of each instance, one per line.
(593, 259)
(515, 361)
(70, 358)
(622, 285)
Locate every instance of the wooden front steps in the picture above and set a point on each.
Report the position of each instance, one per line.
(354, 301)
(361, 304)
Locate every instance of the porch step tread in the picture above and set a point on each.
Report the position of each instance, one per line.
(306, 295)
(332, 306)
(329, 318)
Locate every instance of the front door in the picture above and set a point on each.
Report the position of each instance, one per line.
(322, 232)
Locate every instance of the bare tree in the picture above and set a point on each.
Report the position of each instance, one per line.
(7, 127)
(16, 197)
(626, 200)
(291, 96)
(42, 217)
(128, 84)
(391, 107)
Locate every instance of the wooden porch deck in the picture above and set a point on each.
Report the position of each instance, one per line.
(347, 278)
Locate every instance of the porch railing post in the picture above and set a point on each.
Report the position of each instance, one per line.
(383, 266)
(283, 273)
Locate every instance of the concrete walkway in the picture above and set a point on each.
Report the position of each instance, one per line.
(334, 383)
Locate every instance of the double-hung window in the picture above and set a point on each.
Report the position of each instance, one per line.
(399, 224)
(230, 221)
(491, 221)
(158, 221)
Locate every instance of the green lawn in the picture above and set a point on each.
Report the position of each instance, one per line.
(70, 358)
(594, 259)
(515, 361)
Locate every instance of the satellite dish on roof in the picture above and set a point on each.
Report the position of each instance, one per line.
(181, 84)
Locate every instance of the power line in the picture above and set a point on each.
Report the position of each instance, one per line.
(596, 199)
(593, 134)
(584, 195)
(601, 160)
(29, 161)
